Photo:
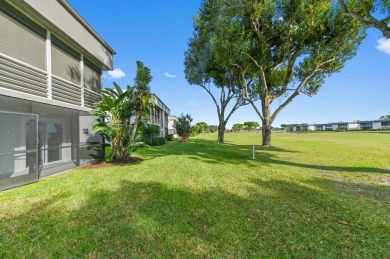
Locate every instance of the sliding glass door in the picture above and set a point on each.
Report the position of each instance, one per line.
(18, 149)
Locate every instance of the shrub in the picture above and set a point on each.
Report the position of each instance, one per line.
(170, 137)
(183, 126)
(185, 137)
(147, 132)
(158, 141)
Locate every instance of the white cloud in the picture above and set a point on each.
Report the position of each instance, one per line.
(383, 45)
(169, 75)
(116, 73)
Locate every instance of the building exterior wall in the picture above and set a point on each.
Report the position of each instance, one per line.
(359, 125)
(365, 125)
(328, 127)
(353, 126)
(21, 42)
(49, 84)
(59, 15)
(376, 125)
(159, 114)
(171, 125)
(385, 124)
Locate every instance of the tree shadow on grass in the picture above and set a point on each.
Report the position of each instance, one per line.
(210, 152)
(148, 219)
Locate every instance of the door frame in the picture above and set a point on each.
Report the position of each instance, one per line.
(26, 178)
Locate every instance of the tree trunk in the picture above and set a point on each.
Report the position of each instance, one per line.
(134, 130)
(266, 132)
(221, 130)
(266, 121)
(113, 151)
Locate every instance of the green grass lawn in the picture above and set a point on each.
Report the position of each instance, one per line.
(311, 195)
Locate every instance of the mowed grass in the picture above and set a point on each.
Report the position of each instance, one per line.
(311, 195)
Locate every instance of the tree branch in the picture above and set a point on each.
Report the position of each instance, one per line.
(212, 96)
(277, 66)
(299, 88)
(254, 61)
(255, 107)
(290, 65)
(368, 20)
(235, 107)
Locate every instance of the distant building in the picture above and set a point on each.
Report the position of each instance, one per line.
(374, 125)
(171, 125)
(353, 126)
(333, 126)
(159, 115)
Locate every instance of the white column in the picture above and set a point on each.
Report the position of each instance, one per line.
(48, 66)
(82, 79)
(163, 121)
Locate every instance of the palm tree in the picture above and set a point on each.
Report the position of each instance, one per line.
(115, 108)
(142, 95)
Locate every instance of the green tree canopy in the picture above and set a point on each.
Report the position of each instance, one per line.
(282, 48)
(370, 13)
(237, 127)
(202, 127)
(213, 128)
(251, 125)
(209, 64)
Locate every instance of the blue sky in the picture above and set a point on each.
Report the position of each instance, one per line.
(157, 32)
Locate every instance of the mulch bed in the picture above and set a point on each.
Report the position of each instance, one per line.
(98, 164)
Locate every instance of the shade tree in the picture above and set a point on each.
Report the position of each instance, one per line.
(237, 127)
(209, 65)
(251, 125)
(282, 49)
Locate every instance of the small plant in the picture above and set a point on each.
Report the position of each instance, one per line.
(185, 137)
